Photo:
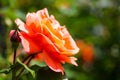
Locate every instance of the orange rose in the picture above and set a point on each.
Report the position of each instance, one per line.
(43, 34)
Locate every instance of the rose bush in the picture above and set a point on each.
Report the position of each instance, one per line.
(42, 34)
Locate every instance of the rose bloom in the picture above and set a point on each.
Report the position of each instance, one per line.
(44, 35)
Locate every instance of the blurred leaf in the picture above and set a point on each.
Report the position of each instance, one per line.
(6, 71)
(44, 73)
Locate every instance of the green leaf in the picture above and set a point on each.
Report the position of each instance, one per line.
(6, 71)
(28, 69)
(44, 73)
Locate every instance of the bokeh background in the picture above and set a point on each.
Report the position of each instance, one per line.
(94, 24)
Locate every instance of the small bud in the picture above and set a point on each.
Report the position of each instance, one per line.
(14, 37)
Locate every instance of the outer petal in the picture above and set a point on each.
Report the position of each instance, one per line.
(70, 60)
(43, 13)
(29, 44)
(21, 25)
(33, 23)
(54, 22)
(53, 64)
(69, 42)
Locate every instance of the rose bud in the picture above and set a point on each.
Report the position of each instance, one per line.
(14, 37)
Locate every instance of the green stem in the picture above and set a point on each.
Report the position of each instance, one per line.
(14, 58)
(26, 58)
(22, 70)
(14, 68)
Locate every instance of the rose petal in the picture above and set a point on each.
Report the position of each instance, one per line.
(28, 43)
(21, 25)
(50, 33)
(33, 23)
(53, 64)
(43, 13)
(69, 42)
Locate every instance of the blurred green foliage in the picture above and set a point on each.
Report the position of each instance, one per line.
(93, 21)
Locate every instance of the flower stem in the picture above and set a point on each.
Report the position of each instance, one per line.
(26, 58)
(14, 58)
(14, 68)
(30, 57)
